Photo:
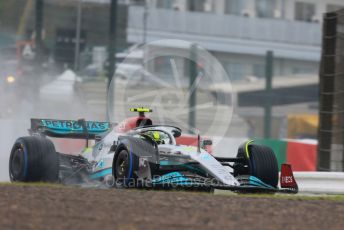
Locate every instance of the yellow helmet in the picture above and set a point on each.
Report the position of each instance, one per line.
(156, 136)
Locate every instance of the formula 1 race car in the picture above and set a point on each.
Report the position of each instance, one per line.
(136, 153)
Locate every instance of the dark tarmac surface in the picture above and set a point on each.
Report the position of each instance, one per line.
(47, 207)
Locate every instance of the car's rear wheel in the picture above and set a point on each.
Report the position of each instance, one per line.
(34, 159)
(123, 169)
(260, 162)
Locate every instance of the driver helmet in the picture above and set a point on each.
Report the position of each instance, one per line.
(156, 136)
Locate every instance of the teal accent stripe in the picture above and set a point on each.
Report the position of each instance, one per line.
(167, 162)
(71, 126)
(255, 181)
(175, 178)
(186, 165)
(101, 173)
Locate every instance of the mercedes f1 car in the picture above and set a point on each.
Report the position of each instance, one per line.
(136, 153)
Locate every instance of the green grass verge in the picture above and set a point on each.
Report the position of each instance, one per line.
(37, 184)
(284, 196)
(216, 193)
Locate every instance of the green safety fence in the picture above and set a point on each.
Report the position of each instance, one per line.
(278, 146)
(302, 156)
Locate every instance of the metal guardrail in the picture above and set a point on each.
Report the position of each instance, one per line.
(320, 182)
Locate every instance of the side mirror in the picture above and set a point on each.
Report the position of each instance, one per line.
(207, 142)
(97, 138)
(176, 133)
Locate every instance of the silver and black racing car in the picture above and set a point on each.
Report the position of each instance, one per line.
(137, 153)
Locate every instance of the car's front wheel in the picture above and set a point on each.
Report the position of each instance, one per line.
(123, 169)
(261, 162)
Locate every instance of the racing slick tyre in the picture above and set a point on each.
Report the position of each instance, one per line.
(33, 159)
(123, 169)
(261, 162)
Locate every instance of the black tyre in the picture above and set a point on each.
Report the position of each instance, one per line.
(34, 159)
(262, 163)
(123, 169)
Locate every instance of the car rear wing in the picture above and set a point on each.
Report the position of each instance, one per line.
(69, 128)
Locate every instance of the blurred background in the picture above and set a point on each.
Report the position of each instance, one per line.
(57, 58)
